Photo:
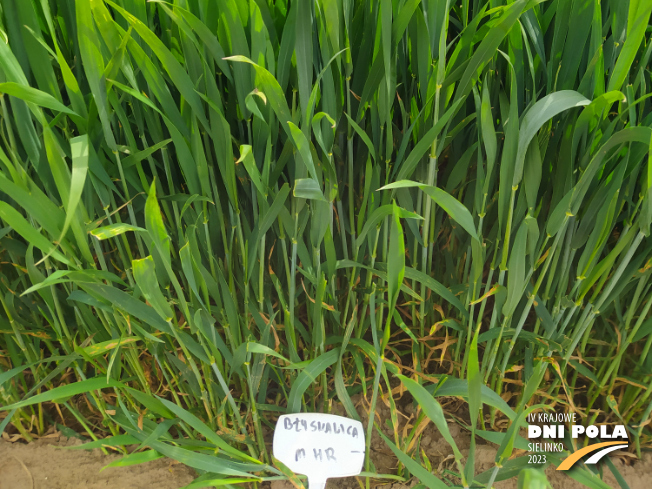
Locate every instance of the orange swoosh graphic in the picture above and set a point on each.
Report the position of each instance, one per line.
(570, 460)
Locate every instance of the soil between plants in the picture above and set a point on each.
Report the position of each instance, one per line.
(44, 464)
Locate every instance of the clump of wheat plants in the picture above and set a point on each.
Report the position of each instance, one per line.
(213, 212)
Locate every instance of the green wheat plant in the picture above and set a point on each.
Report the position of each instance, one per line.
(214, 212)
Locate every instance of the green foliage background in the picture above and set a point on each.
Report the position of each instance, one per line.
(222, 210)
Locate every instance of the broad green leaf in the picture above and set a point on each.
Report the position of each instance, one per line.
(474, 381)
(205, 431)
(13, 218)
(303, 147)
(414, 467)
(363, 135)
(113, 230)
(433, 410)
(459, 388)
(93, 64)
(637, 24)
(377, 217)
(36, 203)
(453, 207)
(77, 276)
(207, 37)
(10, 374)
(176, 72)
(106, 346)
(307, 376)
(437, 287)
(34, 96)
(487, 48)
(146, 279)
(247, 158)
(396, 263)
(406, 168)
(79, 150)
(202, 461)
(136, 458)
(65, 391)
(141, 155)
(308, 188)
(123, 301)
(545, 109)
(155, 226)
(516, 276)
(303, 52)
(488, 132)
(271, 88)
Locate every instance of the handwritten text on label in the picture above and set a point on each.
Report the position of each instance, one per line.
(299, 425)
(320, 446)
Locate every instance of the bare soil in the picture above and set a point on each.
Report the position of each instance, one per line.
(45, 464)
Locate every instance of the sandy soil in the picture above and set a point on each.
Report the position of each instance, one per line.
(45, 465)
(41, 465)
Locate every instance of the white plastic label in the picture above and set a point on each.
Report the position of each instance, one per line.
(320, 446)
